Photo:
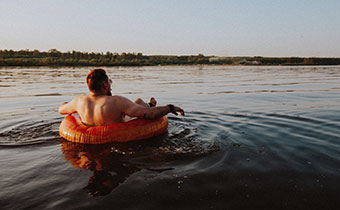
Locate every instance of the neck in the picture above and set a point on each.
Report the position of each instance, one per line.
(100, 93)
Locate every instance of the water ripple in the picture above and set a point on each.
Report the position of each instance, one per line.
(30, 133)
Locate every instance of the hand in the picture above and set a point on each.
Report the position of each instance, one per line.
(178, 109)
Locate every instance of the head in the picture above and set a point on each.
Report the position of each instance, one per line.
(98, 82)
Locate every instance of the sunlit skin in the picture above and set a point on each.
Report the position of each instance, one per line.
(101, 108)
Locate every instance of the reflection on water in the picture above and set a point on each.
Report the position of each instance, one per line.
(109, 168)
(113, 163)
(253, 138)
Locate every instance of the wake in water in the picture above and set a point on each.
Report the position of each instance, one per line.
(39, 132)
(181, 139)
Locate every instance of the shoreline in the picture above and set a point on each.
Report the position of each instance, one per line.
(55, 58)
(106, 66)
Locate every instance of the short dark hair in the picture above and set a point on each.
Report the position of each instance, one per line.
(95, 79)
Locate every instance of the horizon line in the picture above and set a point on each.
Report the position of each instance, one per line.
(197, 54)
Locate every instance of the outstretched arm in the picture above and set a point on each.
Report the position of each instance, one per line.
(135, 110)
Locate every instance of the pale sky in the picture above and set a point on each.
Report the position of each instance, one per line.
(174, 27)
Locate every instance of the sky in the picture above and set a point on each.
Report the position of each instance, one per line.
(304, 28)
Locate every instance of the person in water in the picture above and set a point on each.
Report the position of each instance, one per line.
(101, 108)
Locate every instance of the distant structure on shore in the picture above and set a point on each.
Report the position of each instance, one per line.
(56, 58)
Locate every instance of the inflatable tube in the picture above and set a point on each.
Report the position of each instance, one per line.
(72, 129)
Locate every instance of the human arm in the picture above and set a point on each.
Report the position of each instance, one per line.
(135, 110)
(160, 111)
(68, 107)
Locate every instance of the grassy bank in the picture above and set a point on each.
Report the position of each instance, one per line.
(56, 58)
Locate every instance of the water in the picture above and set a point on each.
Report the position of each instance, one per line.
(252, 138)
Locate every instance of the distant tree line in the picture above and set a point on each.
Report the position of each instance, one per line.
(56, 58)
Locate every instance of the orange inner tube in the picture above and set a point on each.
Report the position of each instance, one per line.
(72, 129)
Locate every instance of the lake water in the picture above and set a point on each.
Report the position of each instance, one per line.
(253, 138)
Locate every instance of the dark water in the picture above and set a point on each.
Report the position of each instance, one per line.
(253, 138)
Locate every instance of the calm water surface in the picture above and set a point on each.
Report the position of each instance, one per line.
(253, 138)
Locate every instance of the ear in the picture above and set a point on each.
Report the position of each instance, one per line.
(106, 85)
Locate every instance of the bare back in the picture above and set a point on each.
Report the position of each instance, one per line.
(99, 110)
(107, 110)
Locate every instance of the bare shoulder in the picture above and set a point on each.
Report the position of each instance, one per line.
(70, 107)
(80, 98)
(120, 99)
